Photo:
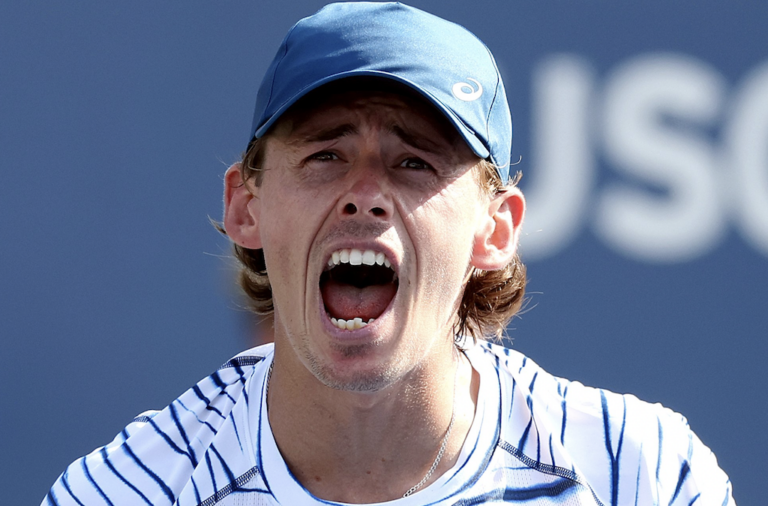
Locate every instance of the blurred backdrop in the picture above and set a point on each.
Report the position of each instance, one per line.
(641, 128)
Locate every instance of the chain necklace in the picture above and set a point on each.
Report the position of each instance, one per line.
(269, 378)
(443, 444)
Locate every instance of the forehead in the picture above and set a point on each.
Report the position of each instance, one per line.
(370, 98)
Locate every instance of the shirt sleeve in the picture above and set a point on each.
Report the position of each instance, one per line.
(683, 470)
(76, 486)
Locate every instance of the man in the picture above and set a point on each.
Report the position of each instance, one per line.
(374, 214)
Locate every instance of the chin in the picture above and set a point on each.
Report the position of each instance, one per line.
(355, 369)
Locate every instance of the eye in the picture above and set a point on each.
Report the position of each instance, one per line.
(415, 164)
(323, 156)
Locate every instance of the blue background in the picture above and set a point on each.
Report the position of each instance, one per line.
(118, 120)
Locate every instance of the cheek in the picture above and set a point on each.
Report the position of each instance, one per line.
(287, 210)
(442, 238)
(451, 219)
(291, 217)
(284, 229)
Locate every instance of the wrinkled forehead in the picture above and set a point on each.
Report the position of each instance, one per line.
(366, 94)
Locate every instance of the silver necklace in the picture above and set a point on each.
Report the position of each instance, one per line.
(443, 444)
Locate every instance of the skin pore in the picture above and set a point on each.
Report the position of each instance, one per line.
(359, 415)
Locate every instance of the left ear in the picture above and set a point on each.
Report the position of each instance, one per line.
(498, 231)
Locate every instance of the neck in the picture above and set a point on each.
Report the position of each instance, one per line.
(372, 447)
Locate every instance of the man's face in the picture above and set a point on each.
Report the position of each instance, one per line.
(361, 178)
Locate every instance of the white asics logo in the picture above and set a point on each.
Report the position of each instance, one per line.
(466, 92)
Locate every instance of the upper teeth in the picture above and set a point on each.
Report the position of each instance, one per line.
(358, 257)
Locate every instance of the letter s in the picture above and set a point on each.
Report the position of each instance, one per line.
(654, 105)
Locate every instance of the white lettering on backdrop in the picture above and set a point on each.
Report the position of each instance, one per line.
(673, 184)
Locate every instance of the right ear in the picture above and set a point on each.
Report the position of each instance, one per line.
(241, 209)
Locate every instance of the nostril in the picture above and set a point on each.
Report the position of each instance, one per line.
(377, 211)
(350, 209)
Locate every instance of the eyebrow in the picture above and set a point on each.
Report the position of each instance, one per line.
(409, 137)
(330, 134)
(415, 140)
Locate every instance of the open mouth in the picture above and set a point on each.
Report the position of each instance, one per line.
(357, 286)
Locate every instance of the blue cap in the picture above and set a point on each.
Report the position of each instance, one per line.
(443, 61)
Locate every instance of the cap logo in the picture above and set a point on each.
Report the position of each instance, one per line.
(466, 92)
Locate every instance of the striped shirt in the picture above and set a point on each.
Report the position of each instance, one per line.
(535, 439)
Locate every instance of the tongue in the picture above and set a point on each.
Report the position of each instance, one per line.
(347, 301)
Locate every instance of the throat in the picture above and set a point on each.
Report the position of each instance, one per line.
(377, 454)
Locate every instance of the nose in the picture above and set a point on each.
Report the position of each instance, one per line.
(367, 195)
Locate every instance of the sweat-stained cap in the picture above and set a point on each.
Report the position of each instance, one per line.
(441, 60)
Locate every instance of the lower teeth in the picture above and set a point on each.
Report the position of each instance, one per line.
(354, 324)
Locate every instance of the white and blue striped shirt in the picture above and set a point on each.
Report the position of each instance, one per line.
(535, 439)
